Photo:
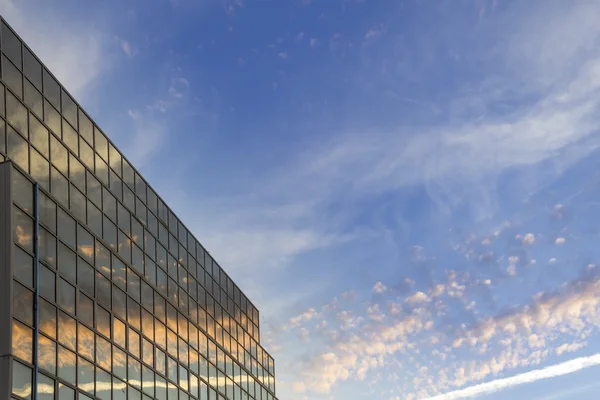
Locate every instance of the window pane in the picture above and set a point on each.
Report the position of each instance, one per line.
(16, 114)
(115, 159)
(86, 153)
(67, 331)
(66, 296)
(47, 283)
(101, 144)
(102, 170)
(119, 303)
(33, 98)
(109, 204)
(17, 149)
(52, 118)
(103, 353)
(133, 313)
(65, 392)
(67, 263)
(67, 365)
(12, 77)
(47, 354)
(77, 172)
(39, 136)
(23, 266)
(135, 373)
(32, 68)
(47, 212)
(86, 128)
(110, 233)
(47, 318)
(69, 108)
(21, 380)
(116, 186)
(45, 388)
(59, 155)
(128, 198)
(94, 219)
(22, 303)
(85, 376)
(86, 343)
(60, 187)
(22, 341)
(119, 333)
(119, 271)
(11, 45)
(70, 137)
(66, 228)
(103, 289)
(40, 169)
(85, 244)
(85, 309)
(78, 204)
(94, 189)
(85, 274)
(103, 384)
(47, 247)
(103, 321)
(133, 343)
(119, 363)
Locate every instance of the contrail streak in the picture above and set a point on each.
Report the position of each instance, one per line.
(552, 371)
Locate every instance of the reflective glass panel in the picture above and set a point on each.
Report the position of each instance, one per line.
(22, 229)
(22, 191)
(67, 331)
(66, 228)
(103, 353)
(67, 365)
(47, 354)
(59, 155)
(67, 264)
(40, 169)
(23, 266)
(60, 187)
(85, 244)
(22, 341)
(103, 321)
(86, 343)
(47, 318)
(66, 296)
(21, 380)
(22, 303)
(85, 309)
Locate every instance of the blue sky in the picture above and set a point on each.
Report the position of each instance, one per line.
(407, 190)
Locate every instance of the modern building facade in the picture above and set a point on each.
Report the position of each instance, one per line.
(104, 292)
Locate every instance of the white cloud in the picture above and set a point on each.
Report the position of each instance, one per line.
(529, 239)
(314, 42)
(305, 316)
(418, 297)
(373, 33)
(379, 288)
(559, 241)
(553, 371)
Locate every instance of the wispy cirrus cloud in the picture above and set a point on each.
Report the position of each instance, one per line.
(565, 368)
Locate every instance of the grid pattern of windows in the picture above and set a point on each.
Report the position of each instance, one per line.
(130, 301)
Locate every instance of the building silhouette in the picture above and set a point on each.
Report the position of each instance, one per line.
(104, 292)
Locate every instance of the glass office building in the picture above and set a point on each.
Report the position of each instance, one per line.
(104, 292)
